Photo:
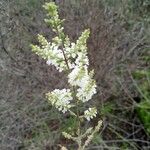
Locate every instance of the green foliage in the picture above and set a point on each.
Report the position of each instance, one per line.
(107, 109)
(143, 111)
(139, 74)
(97, 139)
(143, 108)
(69, 125)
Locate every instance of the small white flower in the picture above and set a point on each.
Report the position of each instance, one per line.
(82, 59)
(90, 113)
(49, 62)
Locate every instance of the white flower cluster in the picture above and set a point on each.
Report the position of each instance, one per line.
(78, 50)
(90, 113)
(79, 76)
(56, 58)
(86, 85)
(65, 55)
(51, 52)
(60, 99)
(76, 75)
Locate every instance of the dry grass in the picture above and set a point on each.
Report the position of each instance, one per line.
(26, 119)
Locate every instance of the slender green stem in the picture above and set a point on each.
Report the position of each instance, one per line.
(77, 114)
(74, 95)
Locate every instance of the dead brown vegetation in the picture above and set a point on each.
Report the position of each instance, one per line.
(25, 115)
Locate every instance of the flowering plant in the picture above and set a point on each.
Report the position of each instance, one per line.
(71, 58)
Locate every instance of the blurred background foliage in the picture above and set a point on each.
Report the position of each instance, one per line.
(119, 52)
(131, 11)
(142, 83)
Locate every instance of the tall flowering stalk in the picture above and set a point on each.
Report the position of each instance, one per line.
(71, 58)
